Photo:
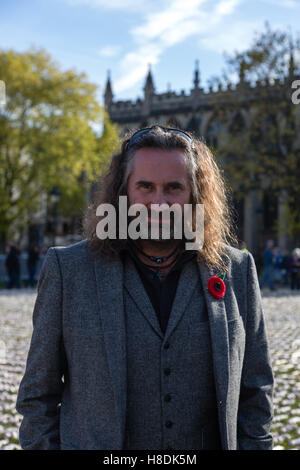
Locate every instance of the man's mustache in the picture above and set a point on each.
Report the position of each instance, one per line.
(154, 215)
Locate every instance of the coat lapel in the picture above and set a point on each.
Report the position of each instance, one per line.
(185, 288)
(109, 277)
(135, 288)
(220, 345)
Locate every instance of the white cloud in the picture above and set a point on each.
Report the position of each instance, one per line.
(134, 66)
(135, 5)
(154, 35)
(110, 51)
(226, 7)
(283, 3)
(167, 20)
(165, 23)
(172, 25)
(232, 36)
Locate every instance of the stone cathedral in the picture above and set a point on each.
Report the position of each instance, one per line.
(197, 112)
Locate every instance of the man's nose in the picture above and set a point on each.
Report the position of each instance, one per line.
(159, 197)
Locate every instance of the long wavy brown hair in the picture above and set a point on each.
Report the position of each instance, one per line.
(207, 187)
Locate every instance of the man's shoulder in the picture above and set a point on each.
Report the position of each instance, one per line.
(77, 253)
(75, 249)
(236, 255)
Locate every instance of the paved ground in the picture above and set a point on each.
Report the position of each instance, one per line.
(282, 310)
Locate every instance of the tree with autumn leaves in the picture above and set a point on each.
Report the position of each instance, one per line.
(49, 137)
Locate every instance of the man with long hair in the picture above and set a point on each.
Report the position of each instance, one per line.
(141, 343)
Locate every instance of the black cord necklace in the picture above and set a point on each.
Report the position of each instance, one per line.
(157, 269)
(156, 259)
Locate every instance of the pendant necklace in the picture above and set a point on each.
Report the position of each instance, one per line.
(158, 260)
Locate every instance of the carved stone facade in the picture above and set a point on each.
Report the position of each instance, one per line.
(198, 112)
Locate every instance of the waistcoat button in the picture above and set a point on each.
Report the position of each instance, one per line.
(169, 424)
(167, 345)
(167, 371)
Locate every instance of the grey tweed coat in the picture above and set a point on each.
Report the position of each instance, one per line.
(73, 393)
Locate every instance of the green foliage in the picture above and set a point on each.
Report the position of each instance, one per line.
(260, 147)
(266, 58)
(47, 135)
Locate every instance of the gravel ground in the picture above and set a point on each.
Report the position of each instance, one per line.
(282, 311)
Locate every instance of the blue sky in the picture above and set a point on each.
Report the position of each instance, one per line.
(124, 36)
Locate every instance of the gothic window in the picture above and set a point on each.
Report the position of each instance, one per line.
(237, 125)
(212, 133)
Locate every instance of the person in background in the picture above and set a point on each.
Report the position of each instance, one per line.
(277, 265)
(243, 246)
(294, 269)
(32, 260)
(268, 272)
(285, 268)
(12, 264)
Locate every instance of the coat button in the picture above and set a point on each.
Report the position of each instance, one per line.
(169, 424)
(167, 397)
(167, 345)
(167, 371)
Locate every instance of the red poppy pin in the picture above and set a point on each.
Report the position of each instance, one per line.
(216, 286)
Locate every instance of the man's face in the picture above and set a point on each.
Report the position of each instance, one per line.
(158, 177)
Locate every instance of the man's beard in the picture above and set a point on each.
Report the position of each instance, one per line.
(159, 235)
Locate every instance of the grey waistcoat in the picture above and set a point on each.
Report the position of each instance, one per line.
(171, 399)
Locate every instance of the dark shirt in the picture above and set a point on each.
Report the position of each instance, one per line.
(160, 292)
